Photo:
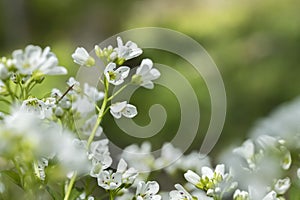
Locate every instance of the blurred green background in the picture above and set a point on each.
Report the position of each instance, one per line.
(255, 44)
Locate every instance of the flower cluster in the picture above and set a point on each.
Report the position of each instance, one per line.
(54, 147)
(60, 132)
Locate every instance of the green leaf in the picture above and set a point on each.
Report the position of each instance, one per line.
(14, 176)
(54, 194)
(75, 193)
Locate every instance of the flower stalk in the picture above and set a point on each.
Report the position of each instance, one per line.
(70, 186)
(100, 114)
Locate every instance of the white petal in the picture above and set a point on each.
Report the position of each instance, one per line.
(148, 85)
(81, 52)
(106, 162)
(118, 107)
(192, 177)
(220, 169)
(130, 111)
(140, 187)
(152, 187)
(207, 172)
(246, 150)
(110, 67)
(287, 160)
(123, 71)
(271, 196)
(119, 41)
(134, 53)
(145, 66)
(122, 166)
(282, 185)
(117, 81)
(57, 71)
(80, 56)
(142, 69)
(116, 115)
(267, 141)
(155, 73)
(156, 197)
(175, 195)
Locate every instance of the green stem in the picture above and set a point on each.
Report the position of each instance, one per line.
(111, 195)
(70, 186)
(21, 90)
(26, 87)
(117, 92)
(100, 114)
(18, 168)
(9, 91)
(31, 87)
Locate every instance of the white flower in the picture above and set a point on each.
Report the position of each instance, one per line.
(180, 194)
(213, 182)
(3, 72)
(298, 173)
(56, 93)
(34, 60)
(192, 177)
(89, 125)
(100, 156)
(128, 175)
(128, 51)
(74, 84)
(209, 173)
(39, 168)
(34, 106)
(247, 151)
(116, 76)
(282, 123)
(122, 108)
(72, 154)
(271, 196)
(139, 157)
(109, 180)
(241, 195)
(145, 74)
(92, 92)
(147, 191)
(267, 142)
(82, 57)
(193, 161)
(169, 155)
(99, 151)
(282, 185)
(43, 139)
